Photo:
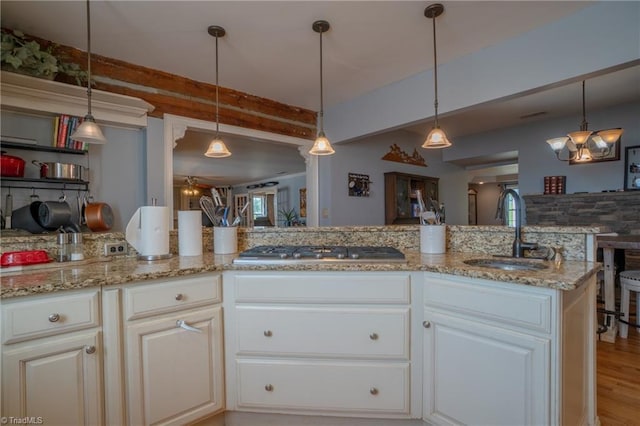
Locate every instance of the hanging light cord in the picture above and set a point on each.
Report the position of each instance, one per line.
(584, 124)
(321, 91)
(88, 58)
(435, 72)
(217, 112)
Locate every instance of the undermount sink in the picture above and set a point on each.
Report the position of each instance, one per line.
(508, 264)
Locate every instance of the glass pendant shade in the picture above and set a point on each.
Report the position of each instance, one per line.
(322, 146)
(217, 149)
(600, 143)
(436, 139)
(585, 155)
(88, 131)
(580, 137)
(610, 135)
(557, 143)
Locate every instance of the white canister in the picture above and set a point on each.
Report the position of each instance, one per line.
(433, 239)
(225, 239)
(190, 232)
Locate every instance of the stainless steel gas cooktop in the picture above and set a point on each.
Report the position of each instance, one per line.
(279, 255)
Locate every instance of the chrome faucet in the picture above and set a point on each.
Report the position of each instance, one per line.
(519, 246)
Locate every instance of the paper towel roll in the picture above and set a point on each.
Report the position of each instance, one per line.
(190, 232)
(148, 231)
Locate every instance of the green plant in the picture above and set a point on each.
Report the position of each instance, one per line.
(288, 215)
(28, 57)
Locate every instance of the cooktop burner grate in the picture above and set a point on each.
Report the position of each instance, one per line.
(319, 254)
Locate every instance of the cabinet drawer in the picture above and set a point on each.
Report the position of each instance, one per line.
(367, 388)
(47, 316)
(157, 297)
(332, 332)
(525, 307)
(373, 288)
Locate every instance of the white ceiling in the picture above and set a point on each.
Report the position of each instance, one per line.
(271, 51)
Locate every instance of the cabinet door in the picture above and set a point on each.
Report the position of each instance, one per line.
(479, 374)
(175, 373)
(56, 380)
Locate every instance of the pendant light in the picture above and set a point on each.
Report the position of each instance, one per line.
(584, 145)
(217, 148)
(321, 146)
(436, 137)
(88, 131)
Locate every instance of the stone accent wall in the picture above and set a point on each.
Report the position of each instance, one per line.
(619, 211)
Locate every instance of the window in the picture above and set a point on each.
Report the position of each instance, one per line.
(259, 206)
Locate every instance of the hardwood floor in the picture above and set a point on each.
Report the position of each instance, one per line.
(618, 381)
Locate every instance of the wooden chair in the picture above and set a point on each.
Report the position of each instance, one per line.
(629, 281)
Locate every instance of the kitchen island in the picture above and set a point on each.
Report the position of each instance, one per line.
(413, 337)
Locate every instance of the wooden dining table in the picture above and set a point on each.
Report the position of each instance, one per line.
(609, 244)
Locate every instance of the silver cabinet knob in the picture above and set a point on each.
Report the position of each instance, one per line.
(54, 317)
(426, 324)
(267, 333)
(373, 336)
(90, 349)
(268, 388)
(373, 391)
(179, 296)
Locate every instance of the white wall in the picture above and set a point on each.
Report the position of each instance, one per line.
(154, 161)
(118, 176)
(537, 160)
(487, 203)
(582, 43)
(364, 157)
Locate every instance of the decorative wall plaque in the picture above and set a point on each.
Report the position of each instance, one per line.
(399, 156)
(358, 185)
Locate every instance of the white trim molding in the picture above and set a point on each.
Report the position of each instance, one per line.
(176, 126)
(25, 93)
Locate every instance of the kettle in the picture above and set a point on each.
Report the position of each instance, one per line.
(148, 232)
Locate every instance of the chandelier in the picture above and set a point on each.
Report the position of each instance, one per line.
(585, 145)
(191, 189)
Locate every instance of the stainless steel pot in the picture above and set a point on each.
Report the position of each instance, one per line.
(53, 170)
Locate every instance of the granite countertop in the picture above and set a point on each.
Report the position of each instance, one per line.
(112, 271)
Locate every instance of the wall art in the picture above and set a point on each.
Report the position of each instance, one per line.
(399, 156)
(358, 185)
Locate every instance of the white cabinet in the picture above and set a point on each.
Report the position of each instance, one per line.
(479, 374)
(173, 350)
(324, 343)
(497, 353)
(51, 359)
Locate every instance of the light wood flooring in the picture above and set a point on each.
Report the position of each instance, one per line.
(618, 381)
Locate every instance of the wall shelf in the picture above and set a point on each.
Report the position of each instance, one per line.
(42, 183)
(25, 93)
(34, 147)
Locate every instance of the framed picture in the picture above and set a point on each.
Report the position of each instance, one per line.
(613, 155)
(358, 185)
(632, 168)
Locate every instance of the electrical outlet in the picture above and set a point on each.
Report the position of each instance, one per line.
(114, 249)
